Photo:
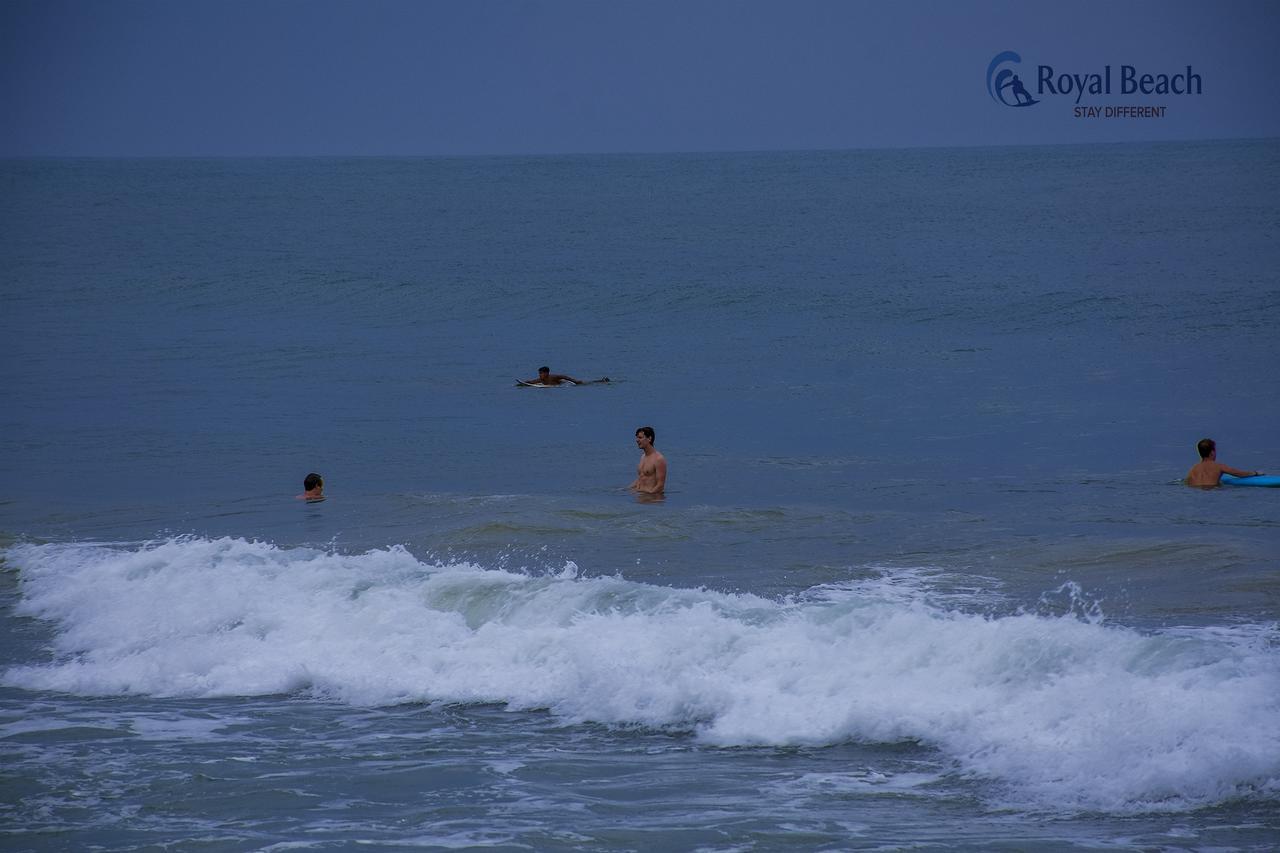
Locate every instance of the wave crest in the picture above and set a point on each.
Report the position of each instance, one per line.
(1061, 710)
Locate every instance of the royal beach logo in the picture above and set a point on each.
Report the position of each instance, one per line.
(1007, 87)
(1004, 85)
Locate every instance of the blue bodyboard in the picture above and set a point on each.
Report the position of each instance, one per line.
(1270, 480)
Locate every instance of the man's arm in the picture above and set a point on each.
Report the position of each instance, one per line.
(1236, 472)
(659, 476)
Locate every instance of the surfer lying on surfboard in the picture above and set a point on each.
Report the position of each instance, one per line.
(546, 377)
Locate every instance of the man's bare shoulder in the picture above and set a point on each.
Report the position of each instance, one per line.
(1205, 473)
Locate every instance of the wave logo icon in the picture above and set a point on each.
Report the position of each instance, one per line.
(1004, 85)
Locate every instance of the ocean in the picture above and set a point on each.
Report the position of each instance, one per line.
(924, 576)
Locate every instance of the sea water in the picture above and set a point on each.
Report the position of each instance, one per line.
(924, 574)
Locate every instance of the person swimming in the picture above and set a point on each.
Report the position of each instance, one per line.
(546, 377)
(313, 488)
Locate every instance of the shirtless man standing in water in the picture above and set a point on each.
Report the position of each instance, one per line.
(1208, 471)
(651, 473)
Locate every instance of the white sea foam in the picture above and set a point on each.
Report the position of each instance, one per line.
(1059, 711)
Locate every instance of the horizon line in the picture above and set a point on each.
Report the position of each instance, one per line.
(621, 153)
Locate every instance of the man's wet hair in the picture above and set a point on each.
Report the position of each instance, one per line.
(544, 369)
(648, 431)
(312, 481)
(1205, 446)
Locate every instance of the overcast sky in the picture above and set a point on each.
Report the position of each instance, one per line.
(389, 77)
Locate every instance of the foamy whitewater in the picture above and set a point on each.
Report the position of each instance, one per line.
(1063, 712)
(924, 576)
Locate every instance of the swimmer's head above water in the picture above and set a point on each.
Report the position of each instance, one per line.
(313, 487)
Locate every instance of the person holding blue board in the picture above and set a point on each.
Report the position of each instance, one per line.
(1208, 472)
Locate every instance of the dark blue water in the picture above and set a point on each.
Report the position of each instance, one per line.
(923, 560)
